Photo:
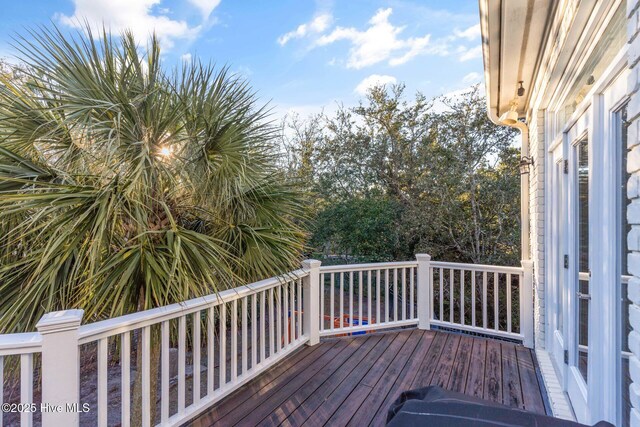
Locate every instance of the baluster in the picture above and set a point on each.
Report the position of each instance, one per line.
(103, 352)
(360, 298)
(196, 356)
(292, 313)
(272, 331)
(509, 302)
(369, 296)
(404, 294)
(451, 295)
(484, 300)
(244, 350)
(278, 295)
(332, 301)
(322, 281)
(441, 278)
(495, 302)
(386, 295)
(263, 330)
(146, 377)
(342, 300)
(378, 296)
(473, 298)
(211, 360)
(182, 362)
(462, 297)
(26, 387)
(412, 294)
(234, 341)
(254, 330)
(164, 371)
(125, 380)
(395, 294)
(351, 298)
(222, 359)
(300, 307)
(286, 317)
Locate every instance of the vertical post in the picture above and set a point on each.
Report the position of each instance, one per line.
(526, 303)
(311, 300)
(424, 291)
(61, 366)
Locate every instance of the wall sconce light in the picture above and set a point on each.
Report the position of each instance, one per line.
(525, 165)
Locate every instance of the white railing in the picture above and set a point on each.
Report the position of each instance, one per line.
(17, 351)
(478, 298)
(363, 297)
(165, 366)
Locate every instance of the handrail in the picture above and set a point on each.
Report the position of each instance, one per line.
(369, 266)
(476, 267)
(13, 344)
(130, 322)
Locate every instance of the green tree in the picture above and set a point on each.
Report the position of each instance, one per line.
(450, 174)
(125, 187)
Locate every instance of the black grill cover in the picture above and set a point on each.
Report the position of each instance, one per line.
(434, 406)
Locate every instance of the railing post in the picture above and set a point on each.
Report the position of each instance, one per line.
(61, 367)
(424, 291)
(311, 300)
(526, 303)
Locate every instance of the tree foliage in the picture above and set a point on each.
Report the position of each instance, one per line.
(124, 186)
(437, 173)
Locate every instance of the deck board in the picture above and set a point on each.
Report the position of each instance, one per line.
(354, 380)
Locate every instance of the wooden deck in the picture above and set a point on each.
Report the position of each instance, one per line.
(353, 380)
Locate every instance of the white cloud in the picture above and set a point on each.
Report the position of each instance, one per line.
(186, 57)
(317, 25)
(471, 78)
(138, 16)
(374, 80)
(379, 42)
(205, 6)
(471, 33)
(474, 52)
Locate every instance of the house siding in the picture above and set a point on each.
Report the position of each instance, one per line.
(633, 212)
(536, 218)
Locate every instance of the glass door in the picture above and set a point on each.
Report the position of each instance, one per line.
(558, 248)
(577, 308)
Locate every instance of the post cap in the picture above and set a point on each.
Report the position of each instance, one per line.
(311, 263)
(423, 257)
(59, 321)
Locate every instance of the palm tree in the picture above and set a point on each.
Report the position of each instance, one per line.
(124, 186)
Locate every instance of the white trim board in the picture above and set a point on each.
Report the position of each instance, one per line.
(558, 399)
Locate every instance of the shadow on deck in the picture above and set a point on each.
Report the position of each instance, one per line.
(354, 380)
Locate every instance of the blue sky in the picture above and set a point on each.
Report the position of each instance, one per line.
(300, 55)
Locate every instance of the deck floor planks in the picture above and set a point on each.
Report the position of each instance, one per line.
(364, 414)
(493, 372)
(405, 378)
(445, 363)
(364, 387)
(264, 393)
(354, 380)
(475, 377)
(458, 379)
(273, 402)
(246, 392)
(531, 395)
(321, 385)
(333, 395)
(512, 390)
